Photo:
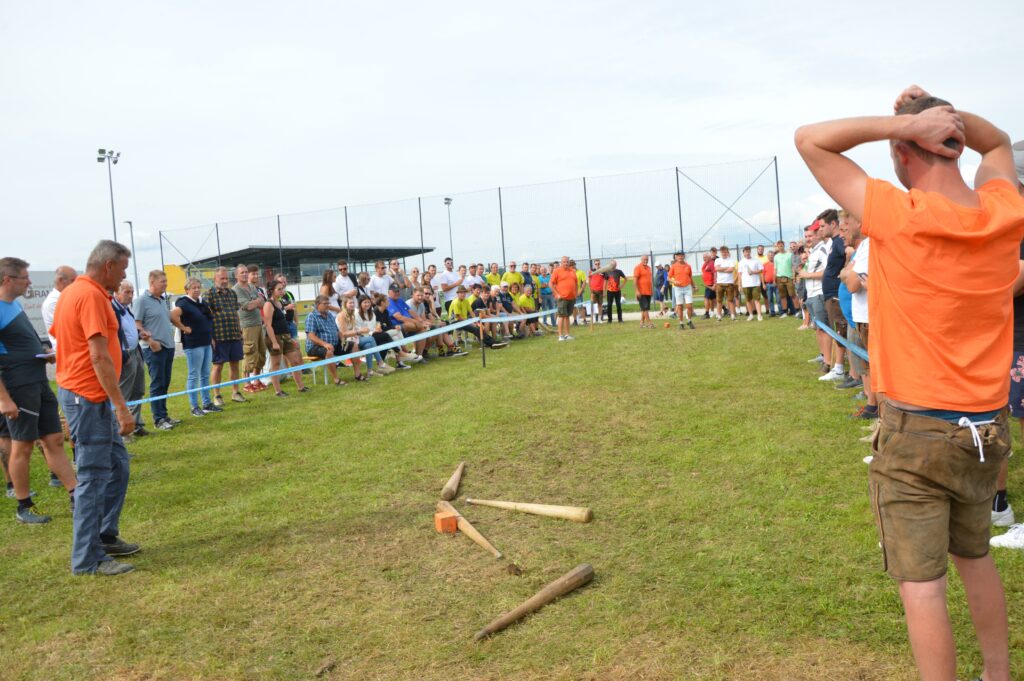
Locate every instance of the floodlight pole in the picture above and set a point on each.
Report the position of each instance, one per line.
(423, 248)
(161, 235)
(216, 231)
(501, 226)
(111, 157)
(451, 246)
(348, 244)
(135, 258)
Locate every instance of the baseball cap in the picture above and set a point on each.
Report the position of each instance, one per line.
(1018, 160)
(814, 225)
(394, 287)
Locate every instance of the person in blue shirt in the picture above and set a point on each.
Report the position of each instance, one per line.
(401, 317)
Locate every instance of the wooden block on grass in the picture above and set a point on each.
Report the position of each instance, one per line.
(445, 522)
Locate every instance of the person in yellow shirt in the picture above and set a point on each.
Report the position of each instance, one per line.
(493, 277)
(581, 286)
(460, 308)
(528, 304)
(512, 276)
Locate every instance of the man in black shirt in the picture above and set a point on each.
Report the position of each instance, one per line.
(829, 221)
(26, 400)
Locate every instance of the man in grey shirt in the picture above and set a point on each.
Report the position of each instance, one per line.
(254, 348)
(156, 337)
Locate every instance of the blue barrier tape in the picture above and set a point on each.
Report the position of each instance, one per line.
(452, 326)
(855, 349)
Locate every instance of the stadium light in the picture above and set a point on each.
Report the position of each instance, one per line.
(111, 157)
(451, 246)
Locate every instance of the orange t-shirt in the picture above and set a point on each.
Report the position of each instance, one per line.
(642, 280)
(563, 281)
(933, 342)
(680, 274)
(84, 311)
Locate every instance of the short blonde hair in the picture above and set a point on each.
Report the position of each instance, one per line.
(155, 275)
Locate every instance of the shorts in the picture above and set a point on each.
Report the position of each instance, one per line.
(253, 348)
(597, 297)
(816, 306)
(930, 491)
(709, 293)
(853, 335)
(565, 307)
(726, 292)
(836, 318)
(285, 342)
(659, 295)
(35, 397)
(785, 287)
(682, 295)
(321, 352)
(227, 351)
(1017, 386)
(645, 302)
(752, 293)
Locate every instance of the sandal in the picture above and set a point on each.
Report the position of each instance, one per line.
(340, 383)
(305, 389)
(281, 393)
(360, 377)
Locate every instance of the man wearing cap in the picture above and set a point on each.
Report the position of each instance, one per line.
(943, 429)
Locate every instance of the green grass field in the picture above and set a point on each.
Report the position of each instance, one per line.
(732, 536)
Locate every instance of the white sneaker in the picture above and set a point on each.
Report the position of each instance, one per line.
(760, 318)
(783, 315)
(1003, 518)
(561, 338)
(1013, 539)
(833, 375)
(750, 317)
(819, 359)
(868, 459)
(570, 338)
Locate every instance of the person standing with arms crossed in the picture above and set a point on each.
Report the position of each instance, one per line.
(565, 285)
(88, 367)
(643, 282)
(943, 430)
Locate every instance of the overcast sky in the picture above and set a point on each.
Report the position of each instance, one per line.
(231, 110)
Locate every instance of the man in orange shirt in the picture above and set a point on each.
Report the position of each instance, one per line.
(943, 429)
(564, 285)
(680, 275)
(88, 366)
(643, 282)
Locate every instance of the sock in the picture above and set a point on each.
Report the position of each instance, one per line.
(10, 485)
(999, 504)
(25, 503)
(871, 408)
(838, 368)
(108, 538)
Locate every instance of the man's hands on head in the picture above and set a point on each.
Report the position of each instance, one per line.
(932, 127)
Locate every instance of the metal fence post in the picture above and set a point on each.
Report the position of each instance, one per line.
(348, 244)
(679, 206)
(423, 247)
(280, 248)
(501, 225)
(216, 230)
(778, 201)
(586, 217)
(161, 233)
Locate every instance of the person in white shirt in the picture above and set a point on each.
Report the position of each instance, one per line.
(855, 276)
(345, 284)
(61, 279)
(725, 281)
(381, 281)
(473, 278)
(750, 279)
(447, 283)
(812, 273)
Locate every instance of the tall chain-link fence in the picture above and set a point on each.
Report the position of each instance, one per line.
(659, 211)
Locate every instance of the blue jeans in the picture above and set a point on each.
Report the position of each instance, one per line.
(159, 365)
(102, 477)
(771, 293)
(198, 373)
(368, 342)
(293, 329)
(547, 301)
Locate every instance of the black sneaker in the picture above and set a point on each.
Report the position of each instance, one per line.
(198, 412)
(120, 548)
(402, 365)
(850, 382)
(110, 568)
(211, 408)
(140, 432)
(691, 324)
